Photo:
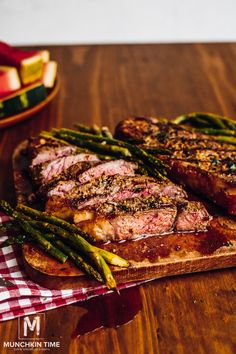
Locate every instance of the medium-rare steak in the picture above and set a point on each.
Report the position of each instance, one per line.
(44, 172)
(109, 168)
(69, 196)
(136, 217)
(84, 172)
(110, 199)
(197, 161)
(156, 133)
(42, 150)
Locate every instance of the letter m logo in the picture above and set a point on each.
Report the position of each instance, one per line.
(30, 326)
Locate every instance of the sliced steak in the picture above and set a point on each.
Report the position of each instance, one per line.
(50, 154)
(72, 173)
(42, 150)
(43, 173)
(136, 217)
(70, 196)
(84, 172)
(109, 168)
(193, 216)
(197, 161)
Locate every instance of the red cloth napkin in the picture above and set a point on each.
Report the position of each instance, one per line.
(19, 296)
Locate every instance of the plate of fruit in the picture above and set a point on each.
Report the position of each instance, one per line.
(28, 83)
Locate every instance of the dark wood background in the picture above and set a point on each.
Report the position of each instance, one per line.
(103, 84)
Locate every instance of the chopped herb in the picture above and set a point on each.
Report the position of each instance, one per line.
(214, 161)
(162, 136)
(138, 189)
(231, 166)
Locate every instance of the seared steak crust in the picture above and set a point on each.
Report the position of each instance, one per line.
(86, 171)
(156, 133)
(130, 226)
(42, 150)
(108, 168)
(131, 205)
(45, 172)
(197, 161)
(76, 196)
(137, 217)
(108, 199)
(71, 173)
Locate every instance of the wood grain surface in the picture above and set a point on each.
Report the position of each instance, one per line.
(103, 84)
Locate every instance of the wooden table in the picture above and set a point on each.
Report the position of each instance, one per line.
(103, 84)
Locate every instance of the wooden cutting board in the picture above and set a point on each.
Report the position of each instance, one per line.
(150, 258)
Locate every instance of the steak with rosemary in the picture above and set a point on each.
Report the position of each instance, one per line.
(196, 161)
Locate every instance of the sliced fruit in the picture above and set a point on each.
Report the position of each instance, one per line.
(9, 80)
(49, 74)
(22, 100)
(28, 63)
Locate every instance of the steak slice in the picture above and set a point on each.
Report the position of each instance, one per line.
(42, 150)
(69, 196)
(84, 172)
(109, 168)
(43, 173)
(139, 217)
(71, 173)
(47, 155)
(198, 161)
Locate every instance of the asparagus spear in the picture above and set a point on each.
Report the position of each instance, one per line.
(64, 225)
(96, 147)
(95, 129)
(83, 128)
(106, 133)
(213, 131)
(207, 119)
(8, 226)
(35, 234)
(48, 135)
(88, 250)
(183, 119)
(77, 259)
(45, 244)
(214, 120)
(19, 239)
(157, 166)
(226, 139)
(40, 215)
(113, 259)
(108, 256)
(84, 246)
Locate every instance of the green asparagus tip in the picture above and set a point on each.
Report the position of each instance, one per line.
(110, 282)
(113, 259)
